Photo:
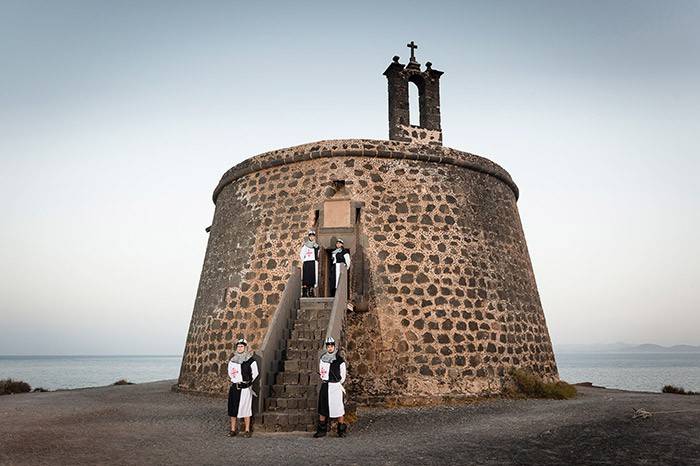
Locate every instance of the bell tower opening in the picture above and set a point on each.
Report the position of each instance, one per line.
(414, 104)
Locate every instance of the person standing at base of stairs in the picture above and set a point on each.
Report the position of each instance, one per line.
(340, 255)
(242, 370)
(309, 269)
(332, 370)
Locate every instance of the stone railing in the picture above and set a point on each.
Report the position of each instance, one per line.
(340, 304)
(270, 352)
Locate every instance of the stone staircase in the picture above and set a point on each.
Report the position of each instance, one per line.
(291, 403)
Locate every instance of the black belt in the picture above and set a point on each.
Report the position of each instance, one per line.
(242, 385)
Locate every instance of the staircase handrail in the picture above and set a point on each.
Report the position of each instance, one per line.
(340, 304)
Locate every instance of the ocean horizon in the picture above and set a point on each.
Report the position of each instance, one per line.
(81, 371)
(626, 371)
(647, 372)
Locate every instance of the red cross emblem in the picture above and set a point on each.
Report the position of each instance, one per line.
(234, 372)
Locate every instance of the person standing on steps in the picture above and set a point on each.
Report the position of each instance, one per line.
(332, 370)
(340, 255)
(309, 269)
(242, 370)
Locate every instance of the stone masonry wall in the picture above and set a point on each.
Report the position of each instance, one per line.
(453, 299)
(418, 135)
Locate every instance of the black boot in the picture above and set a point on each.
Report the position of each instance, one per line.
(310, 292)
(304, 291)
(321, 429)
(341, 429)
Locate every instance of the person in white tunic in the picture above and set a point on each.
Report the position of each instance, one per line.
(340, 255)
(309, 269)
(333, 371)
(242, 370)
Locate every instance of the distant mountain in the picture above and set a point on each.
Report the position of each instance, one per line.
(646, 348)
(685, 349)
(625, 348)
(591, 348)
(651, 348)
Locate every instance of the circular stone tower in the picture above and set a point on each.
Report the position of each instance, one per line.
(445, 299)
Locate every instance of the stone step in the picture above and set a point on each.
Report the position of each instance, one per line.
(300, 365)
(294, 391)
(317, 335)
(304, 344)
(296, 377)
(283, 404)
(316, 303)
(321, 307)
(302, 354)
(320, 324)
(288, 421)
(313, 314)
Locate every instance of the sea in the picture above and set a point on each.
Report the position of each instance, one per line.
(647, 372)
(62, 372)
(627, 371)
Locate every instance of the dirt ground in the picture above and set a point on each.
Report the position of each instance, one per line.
(150, 424)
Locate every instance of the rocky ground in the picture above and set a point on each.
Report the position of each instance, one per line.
(149, 424)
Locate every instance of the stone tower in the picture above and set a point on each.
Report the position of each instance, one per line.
(442, 292)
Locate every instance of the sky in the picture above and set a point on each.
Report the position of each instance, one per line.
(117, 119)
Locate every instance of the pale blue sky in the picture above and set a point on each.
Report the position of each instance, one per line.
(118, 118)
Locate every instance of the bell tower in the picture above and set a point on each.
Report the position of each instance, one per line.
(428, 83)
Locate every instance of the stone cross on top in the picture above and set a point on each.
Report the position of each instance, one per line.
(413, 47)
